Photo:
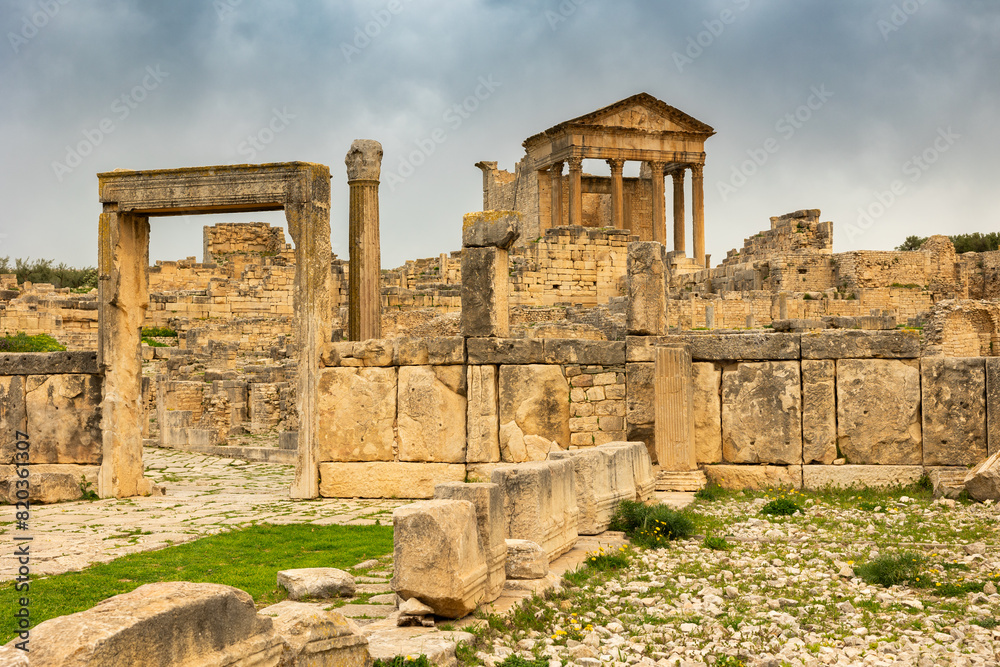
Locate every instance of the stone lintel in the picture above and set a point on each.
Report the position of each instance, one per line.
(861, 345)
(718, 347)
(587, 352)
(511, 351)
(48, 363)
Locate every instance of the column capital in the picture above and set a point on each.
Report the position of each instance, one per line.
(658, 167)
(575, 163)
(678, 172)
(557, 167)
(617, 164)
(697, 170)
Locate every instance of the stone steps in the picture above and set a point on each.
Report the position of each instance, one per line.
(670, 480)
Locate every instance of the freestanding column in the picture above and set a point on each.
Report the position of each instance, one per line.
(659, 203)
(698, 196)
(674, 406)
(617, 193)
(364, 162)
(555, 173)
(576, 191)
(680, 243)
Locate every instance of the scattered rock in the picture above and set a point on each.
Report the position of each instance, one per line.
(316, 582)
(526, 560)
(414, 607)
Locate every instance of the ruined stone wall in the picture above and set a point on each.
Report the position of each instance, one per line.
(964, 328)
(800, 232)
(247, 238)
(41, 308)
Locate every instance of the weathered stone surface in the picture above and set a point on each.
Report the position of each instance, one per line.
(597, 493)
(170, 623)
(647, 300)
(376, 479)
(64, 418)
(983, 481)
(707, 384)
(755, 477)
(13, 657)
(517, 351)
(431, 413)
(673, 398)
(48, 363)
(748, 346)
(631, 458)
(762, 413)
(315, 636)
(437, 557)
(368, 353)
(316, 582)
(540, 504)
(439, 647)
(491, 229)
(526, 560)
(483, 416)
(50, 483)
(440, 351)
(878, 411)
(587, 352)
(822, 476)
(357, 408)
(954, 410)
(485, 293)
(819, 411)
(993, 404)
(488, 501)
(533, 400)
(839, 344)
(364, 160)
(414, 607)
(13, 416)
(639, 417)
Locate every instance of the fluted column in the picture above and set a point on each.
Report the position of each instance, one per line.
(364, 162)
(659, 203)
(680, 243)
(576, 191)
(674, 409)
(555, 174)
(698, 197)
(617, 193)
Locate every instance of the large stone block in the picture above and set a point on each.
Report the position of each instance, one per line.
(839, 344)
(983, 481)
(315, 637)
(49, 363)
(861, 476)
(819, 411)
(483, 416)
(170, 623)
(526, 560)
(518, 351)
(437, 557)
(491, 229)
(639, 408)
(586, 352)
(762, 413)
(534, 401)
(597, 493)
(878, 411)
(429, 351)
(64, 418)
(755, 477)
(993, 404)
(316, 582)
(632, 458)
(488, 501)
(743, 346)
(540, 504)
(673, 397)
(485, 293)
(647, 300)
(954, 410)
(357, 412)
(49, 483)
(378, 479)
(431, 413)
(707, 382)
(13, 416)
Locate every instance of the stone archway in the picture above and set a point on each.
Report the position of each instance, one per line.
(130, 198)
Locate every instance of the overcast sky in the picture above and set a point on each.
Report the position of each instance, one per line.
(816, 104)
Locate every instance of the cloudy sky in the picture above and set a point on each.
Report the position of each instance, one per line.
(882, 113)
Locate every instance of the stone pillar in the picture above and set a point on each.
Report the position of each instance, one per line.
(674, 409)
(992, 405)
(698, 202)
(555, 175)
(659, 203)
(782, 306)
(750, 321)
(617, 193)
(576, 191)
(364, 162)
(680, 243)
(443, 268)
(710, 316)
(646, 314)
(486, 238)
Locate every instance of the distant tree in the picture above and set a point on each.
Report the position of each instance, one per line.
(43, 271)
(976, 242)
(912, 243)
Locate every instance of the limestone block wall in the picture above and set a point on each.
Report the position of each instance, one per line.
(798, 232)
(254, 238)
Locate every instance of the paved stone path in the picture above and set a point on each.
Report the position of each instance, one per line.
(205, 495)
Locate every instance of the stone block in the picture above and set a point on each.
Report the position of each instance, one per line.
(513, 351)
(170, 623)
(316, 582)
(377, 479)
(707, 381)
(540, 504)
(437, 557)
(755, 477)
(525, 560)
(673, 399)
(844, 344)
(431, 414)
(315, 636)
(483, 417)
(588, 352)
(288, 440)
(488, 501)
(861, 476)
(762, 413)
(983, 481)
(485, 293)
(878, 411)
(357, 413)
(174, 428)
(13, 416)
(632, 458)
(13, 657)
(742, 346)
(646, 313)
(49, 363)
(954, 410)
(993, 404)
(64, 418)
(440, 351)
(533, 401)
(597, 493)
(491, 229)
(49, 483)
(819, 411)
(639, 411)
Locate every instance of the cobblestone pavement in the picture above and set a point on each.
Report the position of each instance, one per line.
(205, 495)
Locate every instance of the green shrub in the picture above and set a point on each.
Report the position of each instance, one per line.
(158, 332)
(651, 526)
(710, 492)
(515, 660)
(891, 570)
(405, 661)
(781, 507)
(603, 559)
(24, 343)
(715, 543)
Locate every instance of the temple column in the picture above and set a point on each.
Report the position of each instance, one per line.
(364, 290)
(576, 191)
(659, 203)
(617, 193)
(680, 243)
(557, 198)
(698, 197)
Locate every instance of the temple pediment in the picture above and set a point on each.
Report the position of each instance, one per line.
(641, 112)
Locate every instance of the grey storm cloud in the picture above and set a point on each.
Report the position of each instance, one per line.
(883, 113)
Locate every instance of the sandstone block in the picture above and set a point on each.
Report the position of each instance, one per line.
(483, 417)
(597, 495)
(993, 404)
(441, 351)
(377, 479)
(357, 411)
(983, 481)
(431, 413)
(13, 416)
(49, 363)
(632, 458)
(954, 410)
(491, 229)
(707, 383)
(488, 501)
(839, 344)
(437, 557)
(878, 411)
(647, 302)
(533, 400)
(514, 351)
(540, 504)
(485, 293)
(316, 582)
(639, 412)
(590, 352)
(49, 483)
(762, 413)
(861, 476)
(743, 346)
(314, 636)
(819, 411)
(64, 418)
(13, 657)
(525, 560)
(673, 397)
(755, 477)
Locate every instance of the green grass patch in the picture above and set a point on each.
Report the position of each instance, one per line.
(22, 342)
(153, 343)
(248, 559)
(781, 507)
(715, 543)
(712, 492)
(604, 560)
(158, 332)
(651, 526)
(405, 661)
(891, 570)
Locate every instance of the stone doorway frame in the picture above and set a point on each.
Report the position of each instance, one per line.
(130, 198)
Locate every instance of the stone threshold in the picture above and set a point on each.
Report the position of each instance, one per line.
(252, 454)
